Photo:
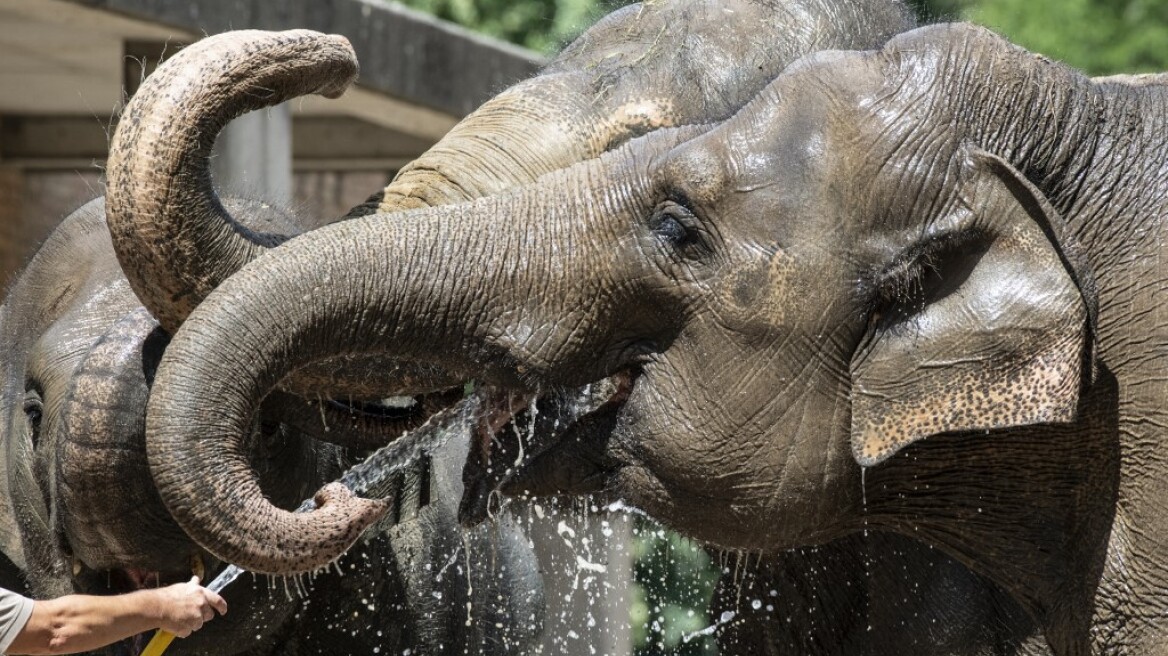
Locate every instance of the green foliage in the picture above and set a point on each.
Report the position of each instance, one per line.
(1098, 36)
(675, 580)
(542, 25)
(1101, 37)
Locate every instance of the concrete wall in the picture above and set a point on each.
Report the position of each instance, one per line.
(32, 203)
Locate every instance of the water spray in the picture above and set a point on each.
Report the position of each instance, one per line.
(371, 479)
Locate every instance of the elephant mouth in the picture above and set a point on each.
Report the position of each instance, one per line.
(392, 408)
(542, 445)
(120, 580)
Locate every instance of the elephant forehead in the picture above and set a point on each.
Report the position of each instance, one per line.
(110, 383)
(58, 350)
(816, 112)
(698, 169)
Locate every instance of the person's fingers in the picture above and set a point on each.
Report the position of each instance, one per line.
(218, 602)
(194, 579)
(207, 612)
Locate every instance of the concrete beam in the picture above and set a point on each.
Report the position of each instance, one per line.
(403, 53)
(418, 75)
(319, 143)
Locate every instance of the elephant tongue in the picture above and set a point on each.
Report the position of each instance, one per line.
(497, 411)
(140, 578)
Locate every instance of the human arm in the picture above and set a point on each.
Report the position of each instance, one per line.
(77, 623)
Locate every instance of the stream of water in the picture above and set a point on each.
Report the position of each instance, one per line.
(373, 477)
(586, 553)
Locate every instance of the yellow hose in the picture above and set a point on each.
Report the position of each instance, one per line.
(158, 643)
(162, 639)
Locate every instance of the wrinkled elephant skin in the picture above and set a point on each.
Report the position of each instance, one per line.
(910, 291)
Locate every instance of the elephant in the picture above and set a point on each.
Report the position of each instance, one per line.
(176, 243)
(905, 297)
(413, 542)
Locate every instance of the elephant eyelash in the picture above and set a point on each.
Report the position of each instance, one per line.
(34, 409)
(922, 273)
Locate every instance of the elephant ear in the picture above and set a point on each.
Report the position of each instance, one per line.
(994, 328)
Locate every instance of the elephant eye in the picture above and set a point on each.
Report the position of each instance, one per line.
(34, 410)
(677, 226)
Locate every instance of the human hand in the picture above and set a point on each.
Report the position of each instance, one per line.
(184, 607)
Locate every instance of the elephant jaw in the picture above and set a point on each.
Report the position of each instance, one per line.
(550, 444)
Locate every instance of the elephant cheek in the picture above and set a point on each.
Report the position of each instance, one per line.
(759, 297)
(655, 436)
(738, 452)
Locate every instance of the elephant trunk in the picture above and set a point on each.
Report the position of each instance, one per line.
(102, 476)
(173, 238)
(533, 128)
(453, 286)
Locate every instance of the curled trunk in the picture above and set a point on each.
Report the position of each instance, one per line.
(159, 181)
(239, 525)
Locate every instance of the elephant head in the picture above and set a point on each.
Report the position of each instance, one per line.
(79, 358)
(871, 298)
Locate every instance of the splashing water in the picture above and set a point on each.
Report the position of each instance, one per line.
(726, 618)
(373, 477)
(588, 556)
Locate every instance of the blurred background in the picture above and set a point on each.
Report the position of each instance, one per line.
(67, 65)
(1100, 37)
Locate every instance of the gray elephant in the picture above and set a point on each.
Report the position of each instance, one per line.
(176, 242)
(903, 297)
(133, 335)
(79, 358)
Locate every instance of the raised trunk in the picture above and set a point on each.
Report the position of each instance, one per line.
(485, 290)
(159, 181)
